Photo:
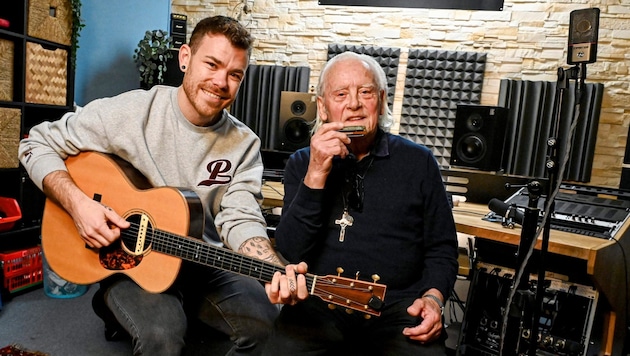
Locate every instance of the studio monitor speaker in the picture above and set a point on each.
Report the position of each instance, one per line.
(479, 137)
(297, 114)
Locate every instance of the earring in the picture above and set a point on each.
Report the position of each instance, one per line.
(183, 67)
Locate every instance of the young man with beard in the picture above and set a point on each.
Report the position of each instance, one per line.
(178, 137)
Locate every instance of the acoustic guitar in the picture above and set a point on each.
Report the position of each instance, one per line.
(166, 226)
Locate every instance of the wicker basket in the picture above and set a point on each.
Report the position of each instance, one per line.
(50, 20)
(10, 120)
(7, 51)
(46, 75)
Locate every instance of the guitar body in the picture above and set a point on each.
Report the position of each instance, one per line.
(119, 186)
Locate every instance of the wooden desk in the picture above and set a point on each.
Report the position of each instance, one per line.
(468, 220)
(604, 262)
(273, 193)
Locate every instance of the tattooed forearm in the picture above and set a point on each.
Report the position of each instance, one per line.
(260, 247)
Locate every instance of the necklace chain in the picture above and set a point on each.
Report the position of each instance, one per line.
(353, 187)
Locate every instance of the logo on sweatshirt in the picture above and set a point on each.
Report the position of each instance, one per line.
(217, 170)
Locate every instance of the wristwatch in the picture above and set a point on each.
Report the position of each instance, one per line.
(437, 300)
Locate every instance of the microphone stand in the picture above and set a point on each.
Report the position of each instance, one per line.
(554, 179)
(524, 297)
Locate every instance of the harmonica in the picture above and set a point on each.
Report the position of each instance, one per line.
(354, 131)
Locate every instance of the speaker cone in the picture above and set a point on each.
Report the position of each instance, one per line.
(296, 130)
(298, 108)
(474, 122)
(471, 148)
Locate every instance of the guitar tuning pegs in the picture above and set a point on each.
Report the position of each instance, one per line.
(339, 271)
(367, 316)
(332, 307)
(356, 275)
(375, 278)
(349, 311)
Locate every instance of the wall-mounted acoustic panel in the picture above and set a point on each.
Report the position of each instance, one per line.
(530, 123)
(436, 82)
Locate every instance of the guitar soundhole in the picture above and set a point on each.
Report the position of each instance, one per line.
(113, 257)
(117, 257)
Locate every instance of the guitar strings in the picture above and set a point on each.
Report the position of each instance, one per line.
(200, 251)
(204, 253)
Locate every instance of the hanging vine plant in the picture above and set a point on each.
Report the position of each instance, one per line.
(151, 55)
(77, 26)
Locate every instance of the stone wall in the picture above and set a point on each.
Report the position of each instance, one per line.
(527, 40)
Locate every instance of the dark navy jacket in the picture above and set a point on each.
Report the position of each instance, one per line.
(405, 233)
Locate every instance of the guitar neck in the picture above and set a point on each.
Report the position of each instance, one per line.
(203, 253)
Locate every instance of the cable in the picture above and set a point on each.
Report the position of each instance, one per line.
(272, 188)
(455, 301)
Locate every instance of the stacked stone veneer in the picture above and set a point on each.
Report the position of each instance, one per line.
(527, 40)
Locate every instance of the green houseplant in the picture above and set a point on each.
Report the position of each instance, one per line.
(77, 26)
(151, 55)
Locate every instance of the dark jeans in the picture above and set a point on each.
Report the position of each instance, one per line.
(230, 303)
(311, 328)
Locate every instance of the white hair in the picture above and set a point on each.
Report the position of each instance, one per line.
(385, 120)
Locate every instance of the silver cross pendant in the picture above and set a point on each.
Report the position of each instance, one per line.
(345, 221)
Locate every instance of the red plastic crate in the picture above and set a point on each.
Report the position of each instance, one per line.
(21, 281)
(17, 261)
(21, 268)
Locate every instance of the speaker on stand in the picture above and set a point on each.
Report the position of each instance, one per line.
(479, 137)
(297, 114)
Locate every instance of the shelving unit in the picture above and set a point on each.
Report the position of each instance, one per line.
(36, 85)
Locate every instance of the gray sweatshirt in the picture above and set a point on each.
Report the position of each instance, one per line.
(221, 163)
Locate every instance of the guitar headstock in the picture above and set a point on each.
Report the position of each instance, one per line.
(352, 294)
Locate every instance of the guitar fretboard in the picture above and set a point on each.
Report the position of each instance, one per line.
(201, 252)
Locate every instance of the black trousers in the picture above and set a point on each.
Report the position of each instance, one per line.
(312, 328)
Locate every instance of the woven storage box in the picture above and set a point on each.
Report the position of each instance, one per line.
(46, 75)
(10, 120)
(7, 50)
(50, 20)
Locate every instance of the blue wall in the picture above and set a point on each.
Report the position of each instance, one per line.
(112, 31)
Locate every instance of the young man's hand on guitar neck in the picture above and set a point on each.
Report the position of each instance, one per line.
(287, 288)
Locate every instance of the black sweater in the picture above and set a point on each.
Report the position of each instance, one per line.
(405, 232)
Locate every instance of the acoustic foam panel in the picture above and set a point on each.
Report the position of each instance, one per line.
(436, 81)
